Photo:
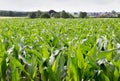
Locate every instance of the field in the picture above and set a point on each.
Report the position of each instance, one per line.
(60, 49)
(4, 17)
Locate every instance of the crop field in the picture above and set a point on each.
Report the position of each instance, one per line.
(60, 49)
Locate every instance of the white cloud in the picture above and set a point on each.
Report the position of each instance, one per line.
(68, 5)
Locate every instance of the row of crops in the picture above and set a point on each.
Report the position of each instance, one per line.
(60, 50)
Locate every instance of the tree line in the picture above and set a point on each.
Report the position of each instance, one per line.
(13, 13)
(54, 14)
(41, 14)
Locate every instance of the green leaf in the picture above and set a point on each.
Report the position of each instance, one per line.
(104, 54)
(15, 75)
(54, 66)
(80, 58)
(116, 75)
(16, 64)
(4, 67)
(105, 78)
(72, 73)
(45, 52)
(91, 61)
(102, 77)
(92, 51)
(110, 57)
(43, 76)
(36, 53)
(32, 69)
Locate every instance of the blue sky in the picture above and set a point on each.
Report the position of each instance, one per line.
(58, 5)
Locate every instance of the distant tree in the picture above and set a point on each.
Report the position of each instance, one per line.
(11, 13)
(118, 15)
(52, 12)
(32, 15)
(64, 14)
(56, 15)
(38, 13)
(82, 14)
(45, 15)
(113, 12)
(71, 16)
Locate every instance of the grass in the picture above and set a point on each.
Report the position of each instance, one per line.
(7, 17)
(60, 49)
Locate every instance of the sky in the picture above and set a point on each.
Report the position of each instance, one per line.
(59, 5)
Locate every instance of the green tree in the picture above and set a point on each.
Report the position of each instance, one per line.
(113, 12)
(11, 13)
(45, 15)
(82, 14)
(38, 13)
(64, 14)
(56, 15)
(118, 15)
(32, 15)
(71, 16)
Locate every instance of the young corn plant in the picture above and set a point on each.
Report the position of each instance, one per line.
(59, 50)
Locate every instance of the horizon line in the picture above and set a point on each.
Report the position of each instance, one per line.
(54, 10)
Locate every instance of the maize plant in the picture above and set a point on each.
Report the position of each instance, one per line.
(60, 49)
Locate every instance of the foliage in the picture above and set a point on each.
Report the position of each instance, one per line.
(118, 15)
(83, 14)
(32, 15)
(59, 50)
(13, 13)
(38, 13)
(64, 14)
(56, 15)
(45, 15)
